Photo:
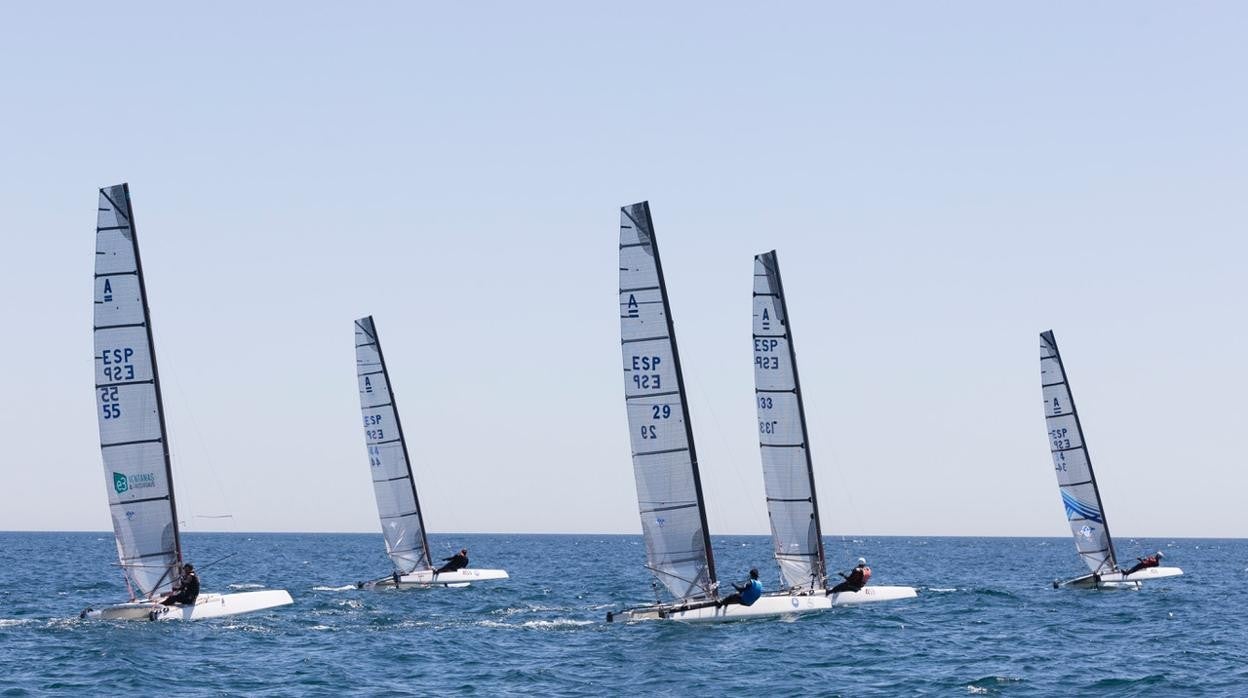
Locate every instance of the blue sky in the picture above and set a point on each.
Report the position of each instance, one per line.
(941, 181)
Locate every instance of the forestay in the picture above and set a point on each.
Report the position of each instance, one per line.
(133, 440)
(788, 474)
(397, 504)
(1075, 478)
(669, 490)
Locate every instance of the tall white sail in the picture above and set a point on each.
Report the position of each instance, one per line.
(133, 440)
(397, 504)
(669, 489)
(788, 475)
(1075, 478)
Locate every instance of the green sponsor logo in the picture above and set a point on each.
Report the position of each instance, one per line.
(133, 481)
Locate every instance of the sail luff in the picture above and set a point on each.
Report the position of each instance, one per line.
(1077, 511)
(795, 544)
(668, 479)
(144, 528)
(390, 493)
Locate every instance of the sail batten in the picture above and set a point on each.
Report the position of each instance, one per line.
(398, 507)
(134, 444)
(665, 464)
(1075, 478)
(788, 472)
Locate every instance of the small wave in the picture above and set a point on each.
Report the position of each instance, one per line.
(560, 623)
(990, 684)
(557, 624)
(344, 587)
(10, 622)
(246, 586)
(941, 590)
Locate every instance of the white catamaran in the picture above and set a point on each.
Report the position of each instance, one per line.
(1077, 483)
(788, 473)
(133, 439)
(665, 464)
(397, 504)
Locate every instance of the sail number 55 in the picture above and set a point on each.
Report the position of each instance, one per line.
(110, 405)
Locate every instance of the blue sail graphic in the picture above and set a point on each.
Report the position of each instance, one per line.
(1076, 509)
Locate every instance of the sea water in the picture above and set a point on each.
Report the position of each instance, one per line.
(987, 621)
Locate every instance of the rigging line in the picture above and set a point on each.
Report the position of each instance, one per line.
(172, 370)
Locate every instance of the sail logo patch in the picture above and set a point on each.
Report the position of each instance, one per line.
(1086, 532)
(135, 481)
(1077, 509)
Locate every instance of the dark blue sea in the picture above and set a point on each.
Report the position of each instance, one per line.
(987, 621)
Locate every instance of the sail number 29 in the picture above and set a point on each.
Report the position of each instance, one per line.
(649, 431)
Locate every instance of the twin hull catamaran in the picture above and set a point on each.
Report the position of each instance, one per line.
(402, 523)
(665, 464)
(1077, 482)
(133, 439)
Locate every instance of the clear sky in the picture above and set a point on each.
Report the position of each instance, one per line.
(942, 182)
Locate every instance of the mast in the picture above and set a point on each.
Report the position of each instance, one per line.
(665, 463)
(160, 400)
(771, 267)
(1071, 460)
(126, 370)
(388, 488)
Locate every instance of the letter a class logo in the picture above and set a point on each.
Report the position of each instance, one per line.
(120, 483)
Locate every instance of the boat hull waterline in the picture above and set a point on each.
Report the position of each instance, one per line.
(1118, 580)
(775, 604)
(206, 606)
(426, 579)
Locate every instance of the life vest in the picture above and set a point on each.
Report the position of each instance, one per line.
(753, 590)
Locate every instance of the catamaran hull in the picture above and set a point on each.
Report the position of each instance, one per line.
(426, 579)
(1118, 580)
(206, 606)
(768, 605)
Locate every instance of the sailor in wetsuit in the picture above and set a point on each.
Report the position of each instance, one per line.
(1153, 560)
(855, 580)
(746, 593)
(185, 590)
(458, 561)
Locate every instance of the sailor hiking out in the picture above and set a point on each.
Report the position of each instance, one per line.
(855, 580)
(458, 561)
(746, 594)
(1153, 560)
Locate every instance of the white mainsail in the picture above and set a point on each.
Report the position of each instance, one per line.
(669, 489)
(133, 441)
(397, 504)
(1075, 478)
(788, 474)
